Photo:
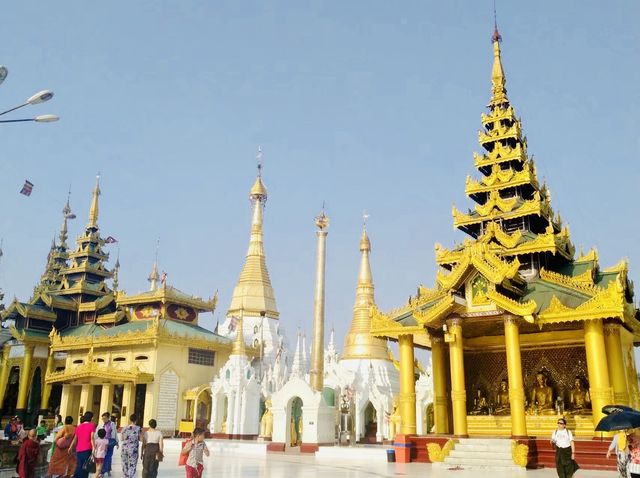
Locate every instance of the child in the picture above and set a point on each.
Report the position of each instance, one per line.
(195, 448)
(42, 431)
(100, 451)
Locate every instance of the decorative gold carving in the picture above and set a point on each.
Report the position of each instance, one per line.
(519, 453)
(93, 370)
(383, 326)
(523, 309)
(437, 454)
(439, 310)
(608, 303)
(583, 283)
(459, 396)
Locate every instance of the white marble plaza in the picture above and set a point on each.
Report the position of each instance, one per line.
(254, 463)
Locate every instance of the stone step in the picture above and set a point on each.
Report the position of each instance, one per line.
(482, 448)
(485, 454)
(473, 460)
(486, 441)
(512, 470)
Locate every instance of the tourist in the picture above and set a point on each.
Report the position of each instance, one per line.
(152, 450)
(83, 443)
(42, 431)
(562, 440)
(28, 456)
(21, 433)
(100, 451)
(111, 432)
(633, 465)
(195, 448)
(130, 443)
(11, 429)
(620, 446)
(63, 463)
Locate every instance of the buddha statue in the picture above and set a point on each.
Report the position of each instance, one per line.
(541, 397)
(394, 420)
(579, 399)
(502, 405)
(266, 422)
(480, 406)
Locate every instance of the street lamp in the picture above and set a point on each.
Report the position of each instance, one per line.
(39, 97)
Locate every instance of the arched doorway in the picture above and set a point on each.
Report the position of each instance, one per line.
(294, 419)
(370, 424)
(11, 395)
(35, 395)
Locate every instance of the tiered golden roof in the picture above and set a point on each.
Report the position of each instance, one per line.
(254, 293)
(359, 343)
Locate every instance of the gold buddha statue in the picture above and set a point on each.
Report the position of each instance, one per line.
(579, 399)
(541, 397)
(266, 422)
(502, 405)
(480, 405)
(394, 420)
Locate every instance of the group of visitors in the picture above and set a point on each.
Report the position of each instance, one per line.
(76, 449)
(625, 445)
(14, 430)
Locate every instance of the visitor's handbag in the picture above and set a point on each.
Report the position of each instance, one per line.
(182, 459)
(159, 456)
(64, 442)
(89, 465)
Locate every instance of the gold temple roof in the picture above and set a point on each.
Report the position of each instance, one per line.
(359, 343)
(254, 293)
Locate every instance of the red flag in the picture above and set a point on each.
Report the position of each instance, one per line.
(27, 189)
(110, 240)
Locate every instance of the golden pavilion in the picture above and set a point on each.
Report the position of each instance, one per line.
(80, 345)
(520, 328)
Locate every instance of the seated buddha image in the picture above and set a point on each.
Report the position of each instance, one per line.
(541, 397)
(502, 404)
(579, 399)
(480, 405)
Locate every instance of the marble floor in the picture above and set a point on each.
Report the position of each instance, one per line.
(302, 466)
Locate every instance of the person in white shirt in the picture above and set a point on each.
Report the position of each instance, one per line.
(562, 440)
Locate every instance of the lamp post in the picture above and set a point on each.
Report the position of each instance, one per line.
(39, 97)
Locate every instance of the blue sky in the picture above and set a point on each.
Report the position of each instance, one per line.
(365, 105)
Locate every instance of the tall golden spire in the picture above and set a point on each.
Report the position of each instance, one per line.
(254, 293)
(239, 347)
(154, 276)
(498, 80)
(93, 211)
(359, 343)
(66, 215)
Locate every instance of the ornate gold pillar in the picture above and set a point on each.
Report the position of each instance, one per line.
(25, 379)
(86, 399)
(615, 362)
(128, 402)
(438, 362)
(514, 372)
(600, 388)
(66, 402)
(46, 388)
(4, 372)
(458, 390)
(106, 398)
(407, 396)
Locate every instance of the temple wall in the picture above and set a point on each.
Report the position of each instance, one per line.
(562, 365)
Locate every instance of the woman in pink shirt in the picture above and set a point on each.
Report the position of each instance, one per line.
(83, 443)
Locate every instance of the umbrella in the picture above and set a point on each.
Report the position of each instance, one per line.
(609, 409)
(619, 421)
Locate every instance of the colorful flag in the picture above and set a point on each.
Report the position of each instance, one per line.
(110, 240)
(27, 189)
(233, 322)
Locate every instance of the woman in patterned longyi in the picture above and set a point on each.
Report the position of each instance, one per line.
(131, 436)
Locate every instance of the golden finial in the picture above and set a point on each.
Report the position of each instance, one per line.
(154, 276)
(116, 270)
(258, 190)
(365, 243)
(239, 347)
(93, 211)
(66, 215)
(322, 221)
(498, 81)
